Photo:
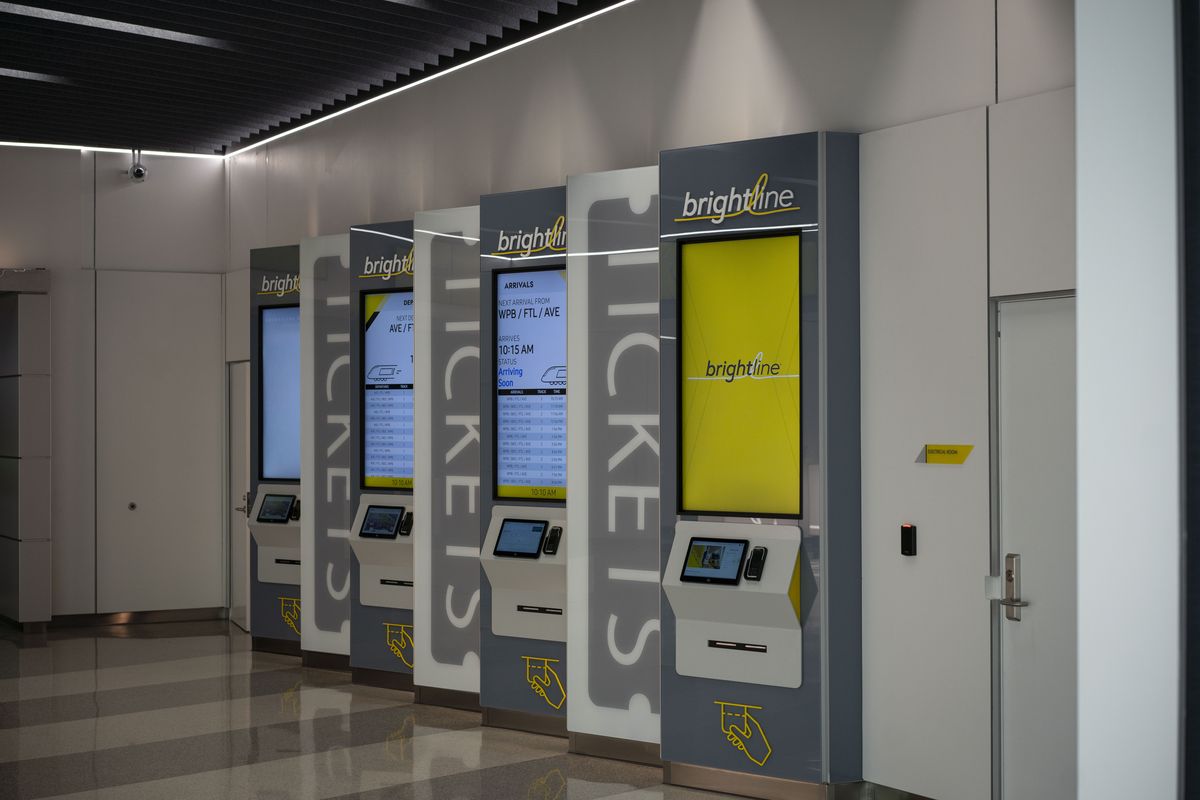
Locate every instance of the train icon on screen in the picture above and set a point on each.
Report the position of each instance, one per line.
(555, 376)
(383, 373)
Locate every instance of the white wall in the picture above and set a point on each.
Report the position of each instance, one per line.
(1128, 382)
(926, 628)
(69, 212)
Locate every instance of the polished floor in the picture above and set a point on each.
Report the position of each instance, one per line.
(188, 711)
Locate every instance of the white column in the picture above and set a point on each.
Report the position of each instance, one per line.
(1128, 399)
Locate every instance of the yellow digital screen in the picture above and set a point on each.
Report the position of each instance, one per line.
(739, 389)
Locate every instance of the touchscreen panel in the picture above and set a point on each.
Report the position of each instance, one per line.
(521, 538)
(531, 384)
(382, 522)
(276, 508)
(279, 398)
(387, 430)
(739, 391)
(714, 561)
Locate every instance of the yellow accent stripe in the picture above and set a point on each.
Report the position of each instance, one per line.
(947, 453)
(533, 492)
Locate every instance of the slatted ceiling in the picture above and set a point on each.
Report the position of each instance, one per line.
(215, 76)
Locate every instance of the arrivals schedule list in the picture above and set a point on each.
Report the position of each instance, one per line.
(388, 391)
(531, 384)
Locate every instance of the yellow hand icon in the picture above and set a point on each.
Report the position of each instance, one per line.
(744, 732)
(544, 681)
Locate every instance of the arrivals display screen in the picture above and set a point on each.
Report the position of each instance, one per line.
(279, 393)
(381, 522)
(531, 384)
(276, 508)
(714, 561)
(739, 376)
(387, 381)
(520, 538)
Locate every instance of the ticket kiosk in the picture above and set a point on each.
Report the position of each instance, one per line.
(381, 428)
(274, 507)
(524, 373)
(761, 546)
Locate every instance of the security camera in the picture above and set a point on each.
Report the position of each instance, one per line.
(137, 172)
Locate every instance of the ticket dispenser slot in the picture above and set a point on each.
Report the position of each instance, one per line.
(524, 556)
(382, 542)
(275, 525)
(729, 625)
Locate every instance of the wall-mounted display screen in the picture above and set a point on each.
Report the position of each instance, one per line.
(739, 371)
(276, 508)
(381, 522)
(714, 561)
(520, 538)
(279, 393)
(387, 381)
(531, 384)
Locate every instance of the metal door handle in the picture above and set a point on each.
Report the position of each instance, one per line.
(1012, 601)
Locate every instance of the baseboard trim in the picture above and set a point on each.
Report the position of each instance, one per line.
(590, 744)
(726, 781)
(382, 679)
(137, 618)
(446, 698)
(315, 659)
(524, 721)
(281, 647)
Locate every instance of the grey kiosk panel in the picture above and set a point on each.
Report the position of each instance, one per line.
(522, 677)
(382, 634)
(763, 677)
(275, 604)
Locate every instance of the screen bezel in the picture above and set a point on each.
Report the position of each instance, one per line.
(737, 578)
(496, 551)
(362, 388)
(496, 496)
(262, 477)
(395, 532)
(267, 498)
(680, 508)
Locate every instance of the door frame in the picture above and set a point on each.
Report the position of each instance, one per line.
(228, 499)
(996, 547)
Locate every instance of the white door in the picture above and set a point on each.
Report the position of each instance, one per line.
(1036, 454)
(239, 489)
(160, 429)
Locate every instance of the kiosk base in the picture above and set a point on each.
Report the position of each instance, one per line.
(767, 788)
(446, 698)
(382, 679)
(590, 744)
(315, 659)
(524, 721)
(283, 647)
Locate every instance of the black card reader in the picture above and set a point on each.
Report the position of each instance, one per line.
(754, 566)
(406, 525)
(552, 540)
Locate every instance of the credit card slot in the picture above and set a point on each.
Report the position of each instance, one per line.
(390, 582)
(541, 610)
(721, 644)
(295, 562)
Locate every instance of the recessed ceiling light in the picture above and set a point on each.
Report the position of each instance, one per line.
(5, 72)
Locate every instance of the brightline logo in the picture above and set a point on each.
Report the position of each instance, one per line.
(526, 244)
(279, 285)
(758, 201)
(756, 368)
(386, 268)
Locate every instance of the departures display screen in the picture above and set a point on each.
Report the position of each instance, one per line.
(387, 381)
(531, 384)
(279, 393)
(739, 376)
